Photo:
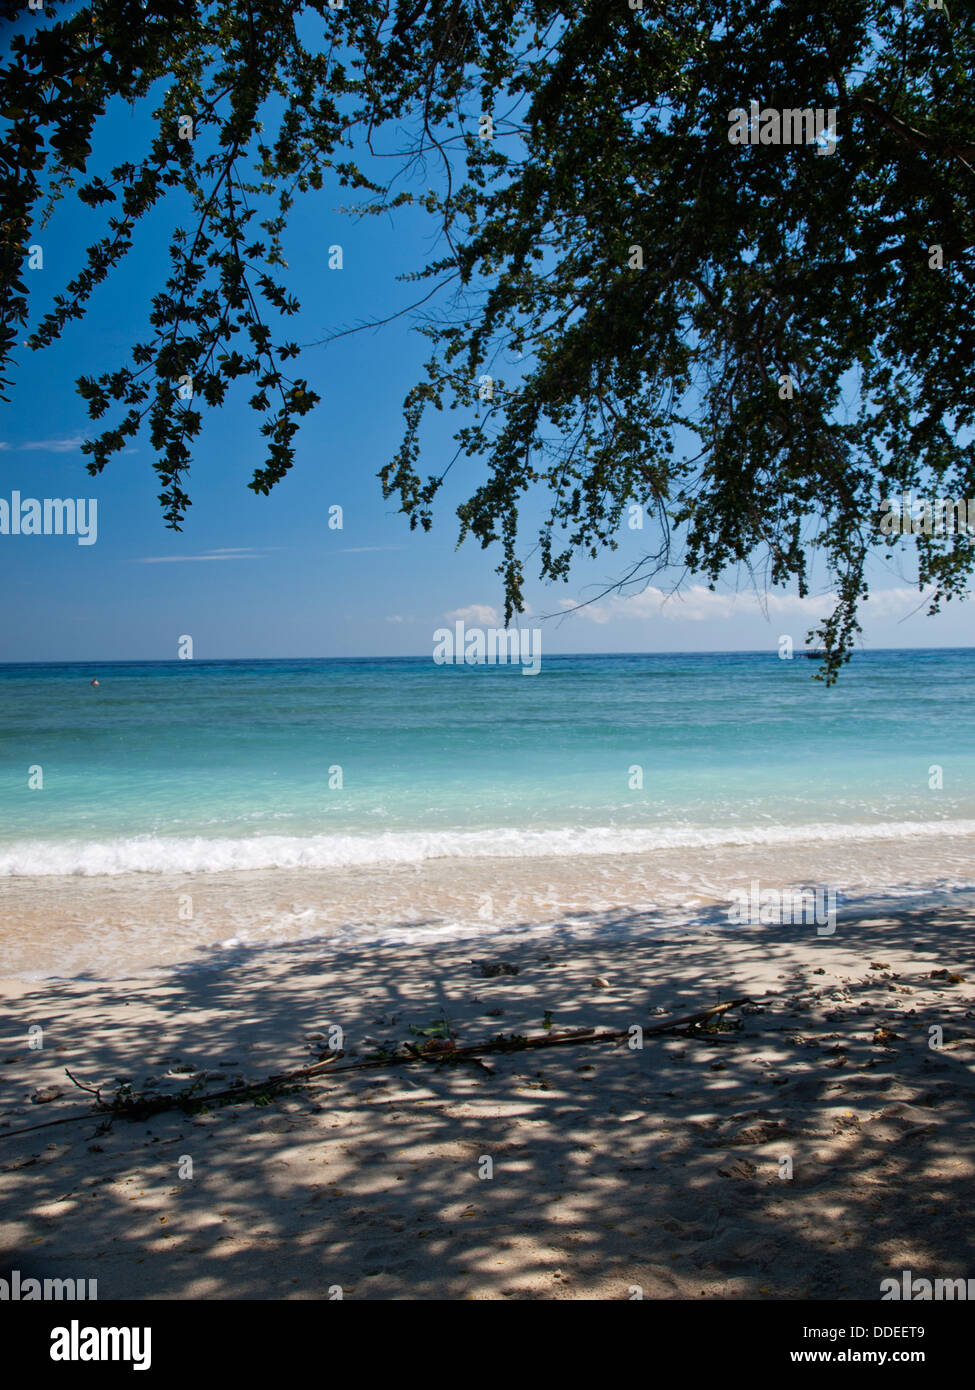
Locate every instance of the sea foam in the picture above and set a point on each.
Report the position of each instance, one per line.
(149, 854)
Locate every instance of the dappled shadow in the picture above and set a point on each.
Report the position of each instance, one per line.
(613, 1167)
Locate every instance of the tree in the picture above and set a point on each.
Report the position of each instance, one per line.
(803, 311)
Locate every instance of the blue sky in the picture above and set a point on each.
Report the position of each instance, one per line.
(266, 576)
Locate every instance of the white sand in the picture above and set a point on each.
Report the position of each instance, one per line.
(613, 1168)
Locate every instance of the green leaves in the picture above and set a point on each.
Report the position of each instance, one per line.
(655, 386)
(438, 1029)
(758, 262)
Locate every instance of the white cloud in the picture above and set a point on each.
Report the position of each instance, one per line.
(478, 614)
(48, 446)
(897, 603)
(242, 554)
(697, 604)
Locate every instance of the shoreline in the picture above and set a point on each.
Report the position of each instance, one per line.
(613, 1167)
(118, 926)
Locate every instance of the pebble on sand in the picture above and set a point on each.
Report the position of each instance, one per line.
(46, 1093)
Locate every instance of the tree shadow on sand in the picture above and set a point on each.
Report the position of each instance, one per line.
(823, 1146)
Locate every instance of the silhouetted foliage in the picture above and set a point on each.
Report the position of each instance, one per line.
(659, 282)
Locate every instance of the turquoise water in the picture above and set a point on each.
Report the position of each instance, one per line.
(203, 766)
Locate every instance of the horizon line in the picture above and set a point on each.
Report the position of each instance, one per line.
(426, 656)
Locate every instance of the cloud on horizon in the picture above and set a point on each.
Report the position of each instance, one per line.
(698, 604)
(484, 615)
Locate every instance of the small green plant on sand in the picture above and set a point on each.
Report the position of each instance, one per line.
(721, 1024)
(439, 1029)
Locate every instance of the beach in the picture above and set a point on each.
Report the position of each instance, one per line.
(221, 873)
(815, 1145)
(487, 737)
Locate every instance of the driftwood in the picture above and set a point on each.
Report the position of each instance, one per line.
(446, 1052)
(433, 1052)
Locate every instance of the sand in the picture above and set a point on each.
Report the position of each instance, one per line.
(819, 1148)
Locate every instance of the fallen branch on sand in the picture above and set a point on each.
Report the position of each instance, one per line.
(130, 1105)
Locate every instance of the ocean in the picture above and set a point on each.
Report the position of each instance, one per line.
(184, 808)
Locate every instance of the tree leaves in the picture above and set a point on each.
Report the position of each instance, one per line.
(755, 264)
